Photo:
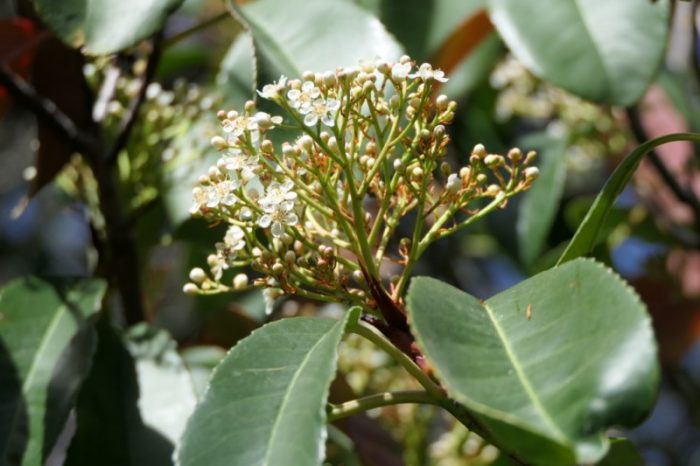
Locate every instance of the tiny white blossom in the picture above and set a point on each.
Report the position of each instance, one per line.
(199, 199)
(302, 99)
(241, 163)
(426, 72)
(278, 215)
(272, 91)
(234, 238)
(400, 71)
(240, 124)
(221, 193)
(454, 183)
(322, 109)
(277, 194)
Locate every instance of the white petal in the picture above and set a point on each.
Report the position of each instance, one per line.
(277, 229)
(291, 219)
(293, 94)
(265, 221)
(310, 119)
(328, 120)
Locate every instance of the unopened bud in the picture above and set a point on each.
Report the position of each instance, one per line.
(197, 275)
(267, 147)
(277, 268)
(219, 143)
(290, 257)
(530, 157)
(240, 281)
(212, 260)
(531, 173)
(479, 150)
(515, 155)
(190, 289)
(493, 190)
(493, 160)
(441, 102)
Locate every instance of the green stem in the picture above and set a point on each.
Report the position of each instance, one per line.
(379, 400)
(375, 336)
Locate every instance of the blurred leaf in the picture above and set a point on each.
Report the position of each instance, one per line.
(474, 68)
(539, 205)
(462, 41)
(46, 345)
(622, 453)
(679, 91)
(105, 26)
(168, 396)
(607, 51)
(546, 366)
(195, 156)
(201, 361)
(237, 72)
(58, 75)
(325, 34)
(110, 430)
(266, 400)
(588, 232)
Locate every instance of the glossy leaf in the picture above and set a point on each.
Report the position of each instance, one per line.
(325, 34)
(608, 51)
(266, 401)
(46, 344)
(587, 234)
(539, 204)
(105, 26)
(546, 366)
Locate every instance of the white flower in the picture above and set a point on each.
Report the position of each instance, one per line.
(426, 72)
(237, 126)
(227, 251)
(272, 91)
(222, 193)
(322, 109)
(302, 99)
(277, 194)
(199, 200)
(278, 215)
(400, 71)
(264, 121)
(240, 162)
(233, 239)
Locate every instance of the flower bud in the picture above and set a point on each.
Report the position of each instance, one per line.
(531, 173)
(493, 160)
(493, 190)
(308, 75)
(240, 281)
(290, 257)
(530, 157)
(277, 268)
(249, 106)
(479, 150)
(219, 143)
(465, 173)
(515, 155)
(267, 147)
(212, 260)
(190, 289)
(197, 275)
(441, 102)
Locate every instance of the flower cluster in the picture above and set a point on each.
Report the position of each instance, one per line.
(316, 216)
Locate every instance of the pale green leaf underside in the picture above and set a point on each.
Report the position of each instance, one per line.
(608, 51)
(547, 386)
(265, 404)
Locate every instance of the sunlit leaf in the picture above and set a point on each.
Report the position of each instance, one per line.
(546, 366)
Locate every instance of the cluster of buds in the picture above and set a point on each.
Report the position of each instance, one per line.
(315, 216)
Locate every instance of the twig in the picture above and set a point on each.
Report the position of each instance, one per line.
(45, 109)
(685, 195)
(132, 112)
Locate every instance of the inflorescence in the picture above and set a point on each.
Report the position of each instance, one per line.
(316, 216)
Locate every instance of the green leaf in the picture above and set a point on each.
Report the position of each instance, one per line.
(546, 366)
(622, 453)
(105, 26)
(608, 51)
(265, 404)
(323, 35)
(110, 429)
(46, 345)
(539, 205)
(588, 232)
